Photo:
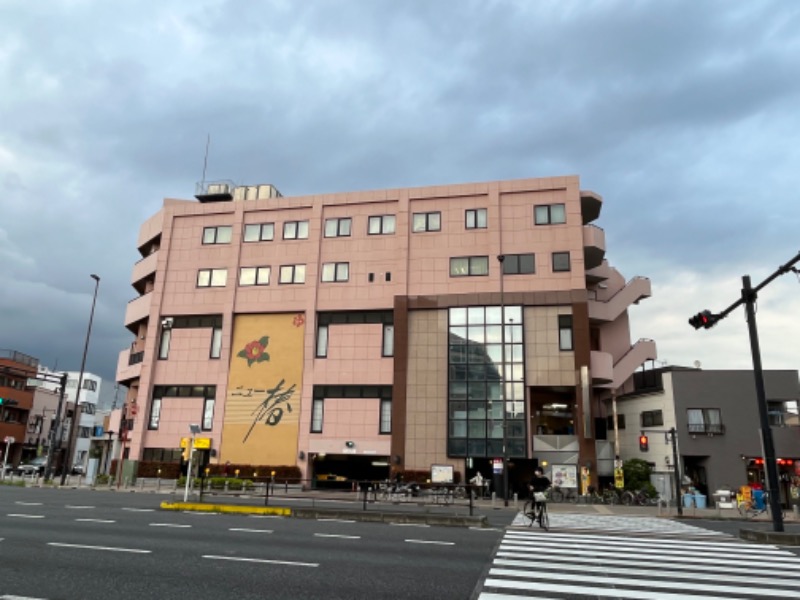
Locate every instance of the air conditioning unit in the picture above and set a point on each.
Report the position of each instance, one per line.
(218, 188)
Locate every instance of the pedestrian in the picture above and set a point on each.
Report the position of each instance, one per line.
(477, 482)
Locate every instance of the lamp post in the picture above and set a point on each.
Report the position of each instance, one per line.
(108, 452)
(501, 258)
(73, 426)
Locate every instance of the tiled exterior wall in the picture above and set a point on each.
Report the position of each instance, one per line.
(351, 419)
(545, 364)
(175, 414)
(354, 355)
(426, 432)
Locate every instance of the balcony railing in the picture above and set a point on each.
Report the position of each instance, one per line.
(709, 428)
(135, 358)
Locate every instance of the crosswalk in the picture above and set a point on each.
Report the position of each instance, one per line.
(621, 524)
(531, 563)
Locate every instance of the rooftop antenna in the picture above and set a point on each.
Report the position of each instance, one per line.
(205, 160)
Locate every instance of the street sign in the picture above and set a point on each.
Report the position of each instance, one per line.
(619, 479)
(9, 440)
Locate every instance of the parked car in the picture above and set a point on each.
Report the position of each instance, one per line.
(32, 467)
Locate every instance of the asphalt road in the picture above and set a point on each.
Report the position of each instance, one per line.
(79, 544)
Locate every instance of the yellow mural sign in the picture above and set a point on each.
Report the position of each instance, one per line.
(619, 479)
(262, 408)
(199, 443)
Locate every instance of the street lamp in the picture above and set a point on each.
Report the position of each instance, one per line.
(194, 429)
(501, 258)
(108, 451)
(73, 426)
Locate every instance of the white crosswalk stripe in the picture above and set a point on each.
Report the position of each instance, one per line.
(612, 523)
(532, 563)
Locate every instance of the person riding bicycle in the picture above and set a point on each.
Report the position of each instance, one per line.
(539, 484)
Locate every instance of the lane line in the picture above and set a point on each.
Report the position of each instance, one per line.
(485, 529)
(169, 525)
(431, 542)
(105, 548)
(338, 535)
(96, 520)
(20, 502)
(22, 516)
(335, 521)
(192, 512)
(78, 507)
(140, 509)
(265, 516)
(246, 530)
(261, 560)
(409, 525)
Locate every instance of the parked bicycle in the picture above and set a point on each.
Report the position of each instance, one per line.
(562, 494)
(535, 509)
(749, 510)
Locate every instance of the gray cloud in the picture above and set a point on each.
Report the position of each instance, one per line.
(681, 114)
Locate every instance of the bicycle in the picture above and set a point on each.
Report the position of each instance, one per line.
(535, 509)
(748, 509)
(559, 494)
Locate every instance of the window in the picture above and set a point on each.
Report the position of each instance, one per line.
(705, 420)
(216, 342)
(84, 432)
(208, 414)
(652, 418)
(388, 340)
(337, 227)
(212, 277)
(88, 408)
(335, 272)
(254, 275)
(295, 230)
(475, 218)
(549, 214)
(322, 341)
(560, 262)
(317, 414)
(620, 422)
(217, 235)
(155, 413)
(90, 384)
(163, 347)
(386, 416)
(469, 266)
(565, 332)
(519, 264)
(431, 221)
(293, 274)
(381, 225)
(259, 232)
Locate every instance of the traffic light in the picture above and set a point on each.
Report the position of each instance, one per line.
(644, 443)
(705, 319)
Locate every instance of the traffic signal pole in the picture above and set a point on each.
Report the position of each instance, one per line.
(749, 296)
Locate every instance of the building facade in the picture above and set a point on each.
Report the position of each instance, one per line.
(366, 332)
(17, 402)
(715, 415)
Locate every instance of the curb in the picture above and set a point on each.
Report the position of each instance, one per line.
(780, 538)
(316, 513)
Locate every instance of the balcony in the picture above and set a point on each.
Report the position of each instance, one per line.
(608, 311)
(145, 268)
(129, 366)
(638, 354)
(599, 274)
(594, 246)
(137, 310)
(591, 204)
(602, 367)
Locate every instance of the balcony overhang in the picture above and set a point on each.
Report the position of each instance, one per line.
(591, 203)
(594, 246)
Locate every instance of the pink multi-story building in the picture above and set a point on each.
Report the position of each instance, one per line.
(362, 332)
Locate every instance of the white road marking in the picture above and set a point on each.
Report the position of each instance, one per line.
(192, 512)
(244, 529)
(106, 548)
(169, 525)
(409, 525)
(265, 516)
(7, 597)
(95, 520)
(24, 504)
(21, 516)
(431, 542)
(78, 507)
(335, 520)
(261, 560)
(485, 529)
(139, 509)
(336, 535)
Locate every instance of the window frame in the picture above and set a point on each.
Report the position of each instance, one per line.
(512, 264)
(471, 262)
(557, 255)
(387, 340)
(211, 274)
(257, 272)
(566, 327)
(216, 234)
(385, 417)
(295, 269)
(382, 221)
(215, 352)
(428, 216)
(322, 341)
(548, 214)
(317, 415)
(298, 226)
(652, 418)
(262, 228)
(207, 420)
(154, 419)
(341, 272)
(339, 223)
(475, 215)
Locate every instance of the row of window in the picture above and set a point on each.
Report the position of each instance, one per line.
(462, 266)
(474, 218)
(700, 420)
(206, 421)
(318, 416)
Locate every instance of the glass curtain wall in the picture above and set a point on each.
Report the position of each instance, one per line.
(477, 376)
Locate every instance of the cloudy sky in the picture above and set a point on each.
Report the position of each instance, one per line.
(683, 115)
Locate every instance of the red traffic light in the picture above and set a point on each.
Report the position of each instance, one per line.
(644, 443)
(705, 319)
